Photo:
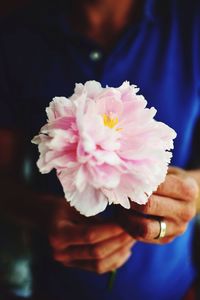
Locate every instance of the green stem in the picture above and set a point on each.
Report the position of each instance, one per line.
(112, 280)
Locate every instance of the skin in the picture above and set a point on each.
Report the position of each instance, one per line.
(175, 201)
(92, 245)
(89, 243)
(103, 21)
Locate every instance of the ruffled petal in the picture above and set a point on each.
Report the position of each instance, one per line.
(89, 203)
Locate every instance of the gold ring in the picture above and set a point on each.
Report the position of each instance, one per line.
(163, 229)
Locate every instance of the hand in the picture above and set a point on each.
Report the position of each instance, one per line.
(88, 243)
(174, 202)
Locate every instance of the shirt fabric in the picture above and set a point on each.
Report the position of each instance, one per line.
(42, 57)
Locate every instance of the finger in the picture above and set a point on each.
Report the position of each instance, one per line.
(95, 251)
(166, 207)
(178, 188)
(83, 234)
(148, 229)
(177, 171)
(110, 263)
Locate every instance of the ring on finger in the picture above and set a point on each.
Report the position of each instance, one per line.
(163, 229)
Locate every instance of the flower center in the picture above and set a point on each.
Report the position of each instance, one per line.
(110, 121)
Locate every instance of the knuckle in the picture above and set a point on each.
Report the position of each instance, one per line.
(190, 189)
(124, 238)
(55, 242)
(98, 266)
(188, 213)
(61, 258)
(116, 265)
(89, 236)
(136, 230)
(150, 206)
(150, 230)
(123, 258)
(187, 191)
(96, 252)
(146, 230)
(141, 228)
(182, 229)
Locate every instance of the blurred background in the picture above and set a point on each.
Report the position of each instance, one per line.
(16, 254)
(16, 257)
(8, 6)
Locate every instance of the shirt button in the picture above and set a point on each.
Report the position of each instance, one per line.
(95, 55)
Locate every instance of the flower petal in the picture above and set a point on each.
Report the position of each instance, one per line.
(89, 203)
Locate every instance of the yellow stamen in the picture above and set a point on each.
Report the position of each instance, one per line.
(110, 121)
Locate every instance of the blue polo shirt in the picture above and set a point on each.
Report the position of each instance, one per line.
(42, 57)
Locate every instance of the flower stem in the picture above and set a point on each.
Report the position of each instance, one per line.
(112, 280)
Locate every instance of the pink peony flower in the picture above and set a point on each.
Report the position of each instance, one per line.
(105, 145)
